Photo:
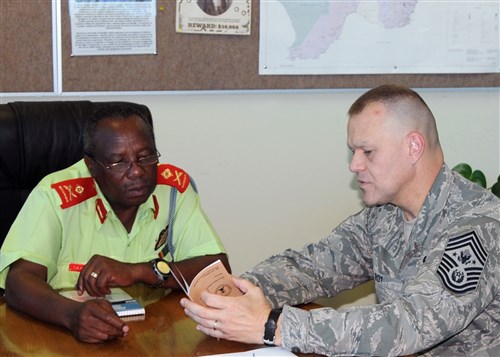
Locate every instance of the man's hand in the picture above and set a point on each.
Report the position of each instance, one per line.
(92, 321)
(101, 273)
(95, 321)
(239, 318)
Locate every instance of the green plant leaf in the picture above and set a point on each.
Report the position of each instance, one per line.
(463, 169)
(479, 178)
(496, 187)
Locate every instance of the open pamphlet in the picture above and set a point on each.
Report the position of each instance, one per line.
(214, 278)
(122, 302)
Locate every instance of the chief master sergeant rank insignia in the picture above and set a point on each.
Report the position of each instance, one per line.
(462, 263)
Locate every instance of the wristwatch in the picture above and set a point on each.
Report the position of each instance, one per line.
(270, 327)
(161, 269)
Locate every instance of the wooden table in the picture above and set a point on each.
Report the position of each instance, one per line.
(164, 331)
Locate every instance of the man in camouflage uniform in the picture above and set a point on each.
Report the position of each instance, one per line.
(428, 237)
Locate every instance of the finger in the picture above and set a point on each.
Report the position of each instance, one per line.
(100, 333)
(108, 317)
(217, 333)
(101, 284)
(80, 284)
(197, 318)
(84, 273)
(242, 284)
(217, 301)
(90, 282)
(99, 322)
(199, 313)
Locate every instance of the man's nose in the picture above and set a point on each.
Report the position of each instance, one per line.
(357, 162)
(135, 169)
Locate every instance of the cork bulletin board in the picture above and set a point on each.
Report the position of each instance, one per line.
(184, 62)
(26, 63)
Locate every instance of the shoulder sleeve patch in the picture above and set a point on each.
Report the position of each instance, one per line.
(173, 176)
(462, 263)
(75, 191)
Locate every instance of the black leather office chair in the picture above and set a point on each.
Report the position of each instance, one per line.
(37, 138)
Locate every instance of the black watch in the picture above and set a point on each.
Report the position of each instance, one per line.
(270, 327)
(161, 269)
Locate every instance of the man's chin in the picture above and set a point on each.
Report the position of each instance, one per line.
(370, 201)
(136, 200)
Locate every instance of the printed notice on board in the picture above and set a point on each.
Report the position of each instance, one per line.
(112, 27)
(213, 17)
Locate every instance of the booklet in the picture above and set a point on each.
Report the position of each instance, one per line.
(122, 302)
(214, 278)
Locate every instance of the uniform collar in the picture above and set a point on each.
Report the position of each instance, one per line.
(434, 203)
(425, 223)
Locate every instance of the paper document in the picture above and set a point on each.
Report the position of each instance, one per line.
(214, 278)
(122, 302)
(261, 352)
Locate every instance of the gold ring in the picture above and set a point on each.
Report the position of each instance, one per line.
(215, 324)
(94, 275)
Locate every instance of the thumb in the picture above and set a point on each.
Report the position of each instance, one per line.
(243, 285)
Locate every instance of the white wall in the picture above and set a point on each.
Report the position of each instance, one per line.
(272, 167)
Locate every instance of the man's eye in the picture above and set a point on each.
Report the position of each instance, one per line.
(120, 164)
(367, 152)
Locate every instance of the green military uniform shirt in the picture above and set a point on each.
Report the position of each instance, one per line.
(66, 220)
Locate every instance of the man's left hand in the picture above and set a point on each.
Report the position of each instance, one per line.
(101, 272)
(240, 318)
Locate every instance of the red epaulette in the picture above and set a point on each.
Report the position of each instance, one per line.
(75, 191)
(173, 176)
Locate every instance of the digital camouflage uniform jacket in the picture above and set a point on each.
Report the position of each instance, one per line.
(438, 294)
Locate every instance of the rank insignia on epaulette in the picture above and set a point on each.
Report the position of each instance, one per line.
(173, 176)
(75, 191)
(462, 263)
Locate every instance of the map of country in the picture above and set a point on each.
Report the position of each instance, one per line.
(318, 24)
(378, 36)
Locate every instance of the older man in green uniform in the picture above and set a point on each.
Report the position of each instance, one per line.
(115, 218)
(428, 237)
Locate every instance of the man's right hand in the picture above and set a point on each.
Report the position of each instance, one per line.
(95, 321)
(27, 290)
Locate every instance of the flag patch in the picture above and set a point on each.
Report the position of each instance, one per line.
(462, 263)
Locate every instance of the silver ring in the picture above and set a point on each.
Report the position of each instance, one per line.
(94, 275)
(215, 324)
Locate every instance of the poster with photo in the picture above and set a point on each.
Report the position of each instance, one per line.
(213, 17)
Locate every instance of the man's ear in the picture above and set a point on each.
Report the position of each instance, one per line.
(89, 162)
(416, 146)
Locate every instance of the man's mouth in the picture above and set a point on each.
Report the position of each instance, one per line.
(362, 183)
(137, 189)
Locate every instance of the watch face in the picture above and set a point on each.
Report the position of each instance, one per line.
(163, 267)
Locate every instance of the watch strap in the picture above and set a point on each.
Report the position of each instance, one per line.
(270, 327)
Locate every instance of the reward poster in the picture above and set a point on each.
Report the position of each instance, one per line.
(214, 17)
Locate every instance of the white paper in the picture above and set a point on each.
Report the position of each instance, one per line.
(261, 352)
(111, 27)
(116, 295)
